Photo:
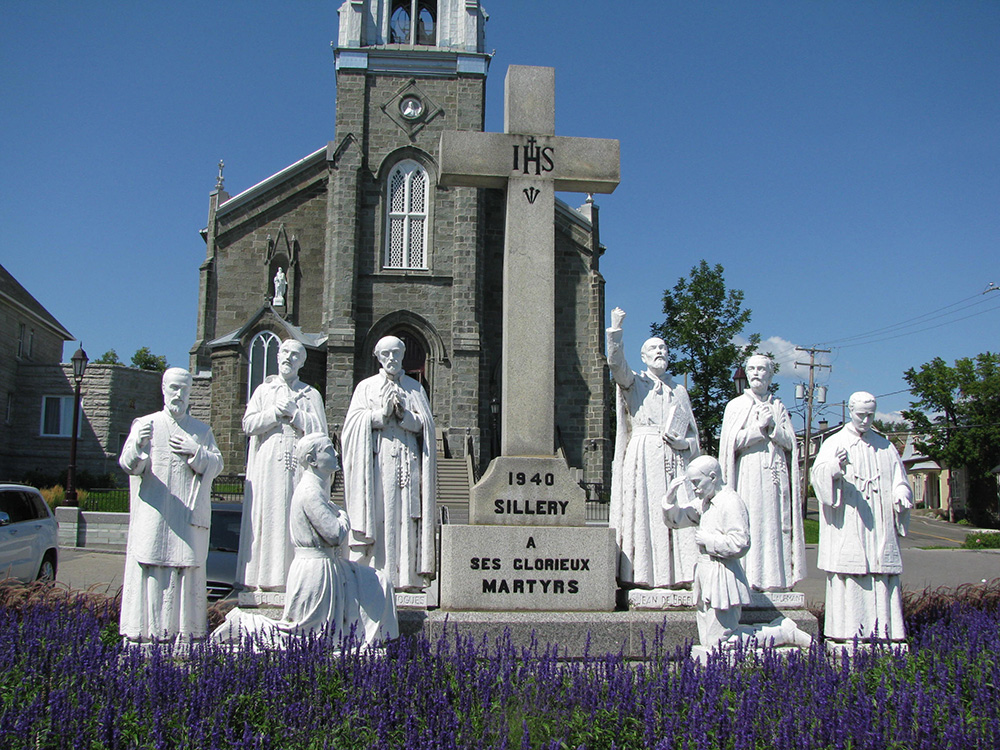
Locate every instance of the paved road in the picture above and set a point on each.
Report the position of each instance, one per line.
(922, 567)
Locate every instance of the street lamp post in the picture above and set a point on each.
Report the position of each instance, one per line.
(740, 379)
(79, 360)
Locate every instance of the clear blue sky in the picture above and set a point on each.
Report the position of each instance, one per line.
(841, 160)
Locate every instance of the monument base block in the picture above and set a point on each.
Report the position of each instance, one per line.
(528, 568)
(658, 599)
(528, 491)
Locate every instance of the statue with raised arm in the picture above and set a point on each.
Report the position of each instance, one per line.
(760, 460)
(281, 410)
(720, 588)
(865, 504)
(172, 459)
(656, 438)
(390, 472)
(325, 591)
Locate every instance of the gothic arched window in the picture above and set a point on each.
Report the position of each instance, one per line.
(402, 30)
(406, 216)
(263, 359)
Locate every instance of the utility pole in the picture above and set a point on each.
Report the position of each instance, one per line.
(809, 394)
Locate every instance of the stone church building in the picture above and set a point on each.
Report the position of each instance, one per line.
(357, 241)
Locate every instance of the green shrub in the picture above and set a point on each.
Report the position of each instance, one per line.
(988, 540)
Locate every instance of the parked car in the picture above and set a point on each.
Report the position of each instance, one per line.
(29, 535)
(223, 543)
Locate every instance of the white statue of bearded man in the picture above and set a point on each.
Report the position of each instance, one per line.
(390, 472)
(760, 460)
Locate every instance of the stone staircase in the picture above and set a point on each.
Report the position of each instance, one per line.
(453, 482)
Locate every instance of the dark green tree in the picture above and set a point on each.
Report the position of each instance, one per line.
(143, 359)
(110, 357)
(701, 320)
(957, 411)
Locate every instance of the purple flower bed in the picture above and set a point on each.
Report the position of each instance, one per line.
(65, 682)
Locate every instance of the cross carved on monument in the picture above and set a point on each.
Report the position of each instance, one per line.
(531, 163)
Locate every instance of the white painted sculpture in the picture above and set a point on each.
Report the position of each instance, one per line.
(760, 461)
(281, 410)
(657, 437)
(172, 459)
(280, 285)
(390, 472)
(720, 588)
(865, 504)
(324, 589)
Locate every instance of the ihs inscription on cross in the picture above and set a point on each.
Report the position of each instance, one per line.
(530, 162)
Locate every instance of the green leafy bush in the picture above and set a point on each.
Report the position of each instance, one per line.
(988, 540)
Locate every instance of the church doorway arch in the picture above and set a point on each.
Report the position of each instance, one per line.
(415, 357)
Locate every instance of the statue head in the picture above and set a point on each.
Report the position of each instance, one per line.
(291, 357)
(655, 356)
(389, 352)
(705, 474)
(176, 386)
(316, 450)
(759, 370)
(862, 407)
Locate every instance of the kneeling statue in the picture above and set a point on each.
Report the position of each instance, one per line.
(324, 589)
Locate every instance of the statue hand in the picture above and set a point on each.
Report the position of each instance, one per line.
(842, 457)
(676, 442)
(183, 445)
(617, 317)
(285, 406)
(765, 419)
(145, 434)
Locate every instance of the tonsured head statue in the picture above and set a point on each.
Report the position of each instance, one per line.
(862, 408)
(389, 352)
(705, 474)
(316, 450)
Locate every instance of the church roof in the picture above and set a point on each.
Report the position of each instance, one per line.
(308, 340)
(17, 296)
(276, 179)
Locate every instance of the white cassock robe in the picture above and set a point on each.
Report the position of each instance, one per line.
(163, 593)
(651, 553)
(265, 553)
(864, 509)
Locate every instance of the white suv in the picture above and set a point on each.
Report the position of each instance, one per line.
(29, 536)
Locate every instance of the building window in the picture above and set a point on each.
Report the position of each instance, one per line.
(31, 343)
(57, 416)
(9, 414)
(263, 359)
(406, 216)
(402, 30)
(20, 340)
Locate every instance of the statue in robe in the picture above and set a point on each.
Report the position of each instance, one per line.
(760, 460)
(657, 436)
(390, 472)
(281, 410)
(865, 504)
(172, 459)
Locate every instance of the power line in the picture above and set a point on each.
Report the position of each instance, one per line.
(963, 304)
(919, 330)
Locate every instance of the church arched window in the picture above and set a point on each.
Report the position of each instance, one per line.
(406, 216)
(403, 30)
(263, 359)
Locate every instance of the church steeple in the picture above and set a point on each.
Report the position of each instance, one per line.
(425, 37)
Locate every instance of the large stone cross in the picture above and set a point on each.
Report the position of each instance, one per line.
(531, 163)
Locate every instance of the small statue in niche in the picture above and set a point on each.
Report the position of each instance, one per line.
(280, 285)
